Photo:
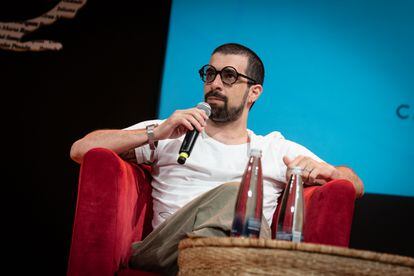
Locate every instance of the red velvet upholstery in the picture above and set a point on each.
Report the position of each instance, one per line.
(114, 209)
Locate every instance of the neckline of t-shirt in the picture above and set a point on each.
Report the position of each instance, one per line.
(247, 144)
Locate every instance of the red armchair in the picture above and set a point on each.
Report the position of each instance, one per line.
(114, 209)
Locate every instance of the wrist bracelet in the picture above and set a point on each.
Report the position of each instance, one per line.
(150, 134)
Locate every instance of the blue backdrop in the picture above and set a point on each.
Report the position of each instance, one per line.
(339, 76)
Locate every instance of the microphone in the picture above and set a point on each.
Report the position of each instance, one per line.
(191, 136)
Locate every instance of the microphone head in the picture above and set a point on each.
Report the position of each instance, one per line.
(204, 106)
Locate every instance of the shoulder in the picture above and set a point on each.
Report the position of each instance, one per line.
(276, 139)
(270, 138)
(276, 142)
(293, 149)
(274, 136)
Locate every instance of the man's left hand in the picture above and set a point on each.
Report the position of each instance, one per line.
(313, 172)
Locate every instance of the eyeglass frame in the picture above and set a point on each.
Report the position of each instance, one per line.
(218, 72)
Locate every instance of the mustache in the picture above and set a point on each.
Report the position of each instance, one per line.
(215, 93)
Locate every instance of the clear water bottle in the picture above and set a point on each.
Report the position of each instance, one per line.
(248, 210)
(291, 214)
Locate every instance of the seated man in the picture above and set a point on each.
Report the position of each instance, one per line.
(191, 199)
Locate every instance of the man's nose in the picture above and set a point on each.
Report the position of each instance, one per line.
(217, 82)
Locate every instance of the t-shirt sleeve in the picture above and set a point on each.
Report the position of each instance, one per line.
(294, 149)
(143, 153)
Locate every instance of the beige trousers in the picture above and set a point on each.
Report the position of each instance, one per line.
(210, 214)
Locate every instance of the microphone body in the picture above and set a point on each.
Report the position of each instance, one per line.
(191, 136)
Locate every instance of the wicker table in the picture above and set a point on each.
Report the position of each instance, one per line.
(244, 256)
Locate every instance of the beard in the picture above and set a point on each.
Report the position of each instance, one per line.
(225, 114)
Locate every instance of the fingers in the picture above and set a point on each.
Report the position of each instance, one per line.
(313, 172)
(203, 114)
(186, 122)
(286, 160)
(181, 121)
(290, 164)
(298, 161)
(196, 117)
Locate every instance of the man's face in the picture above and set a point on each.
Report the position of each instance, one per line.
(227, 101)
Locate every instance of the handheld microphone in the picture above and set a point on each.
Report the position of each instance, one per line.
(191, 136)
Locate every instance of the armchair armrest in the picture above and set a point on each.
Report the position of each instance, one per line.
(114, 209)
(329, 211)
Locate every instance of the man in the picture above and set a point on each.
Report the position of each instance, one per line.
(191, 199)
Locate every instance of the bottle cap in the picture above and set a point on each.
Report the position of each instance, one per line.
(256, 152)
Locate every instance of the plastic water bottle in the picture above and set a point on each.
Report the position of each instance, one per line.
(291, 214)
(248, 210)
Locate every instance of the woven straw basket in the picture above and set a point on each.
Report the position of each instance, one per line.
(244, 256)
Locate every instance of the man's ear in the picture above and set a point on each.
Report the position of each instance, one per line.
(255, 92)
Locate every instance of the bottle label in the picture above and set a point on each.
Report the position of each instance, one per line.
(253, 227)
(284, 236)
(296, 236)
(237, 227)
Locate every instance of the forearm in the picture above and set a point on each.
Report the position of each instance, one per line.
(119, 141)
(349, 174)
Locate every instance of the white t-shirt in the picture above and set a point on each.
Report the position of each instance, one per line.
(211, 164)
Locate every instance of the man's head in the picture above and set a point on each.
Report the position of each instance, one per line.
(233, 81)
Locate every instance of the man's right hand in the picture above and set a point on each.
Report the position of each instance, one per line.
(180, 122)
